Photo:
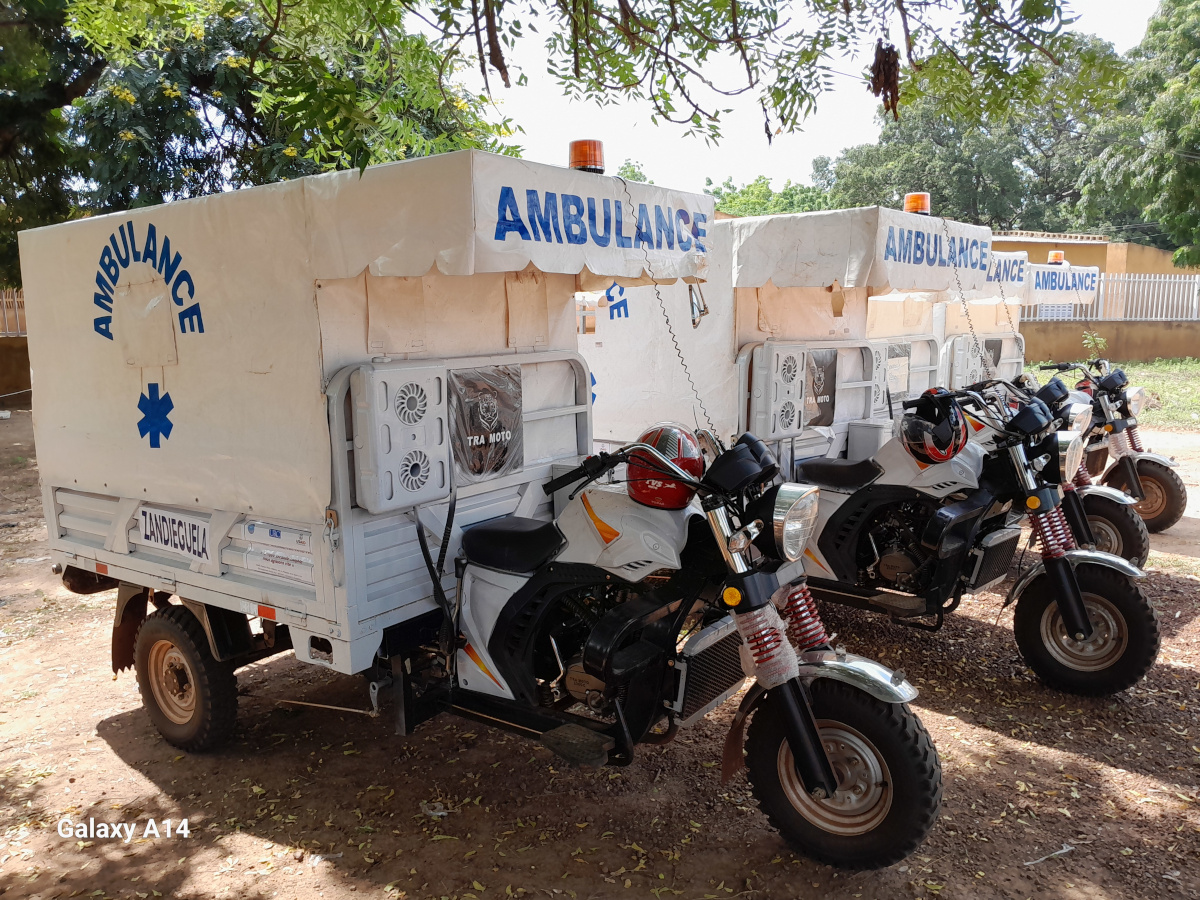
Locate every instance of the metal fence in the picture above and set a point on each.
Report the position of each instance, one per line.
(1130, 298)
(12, 313)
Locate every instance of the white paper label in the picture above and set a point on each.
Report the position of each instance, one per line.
(293, 567)
(173, 531)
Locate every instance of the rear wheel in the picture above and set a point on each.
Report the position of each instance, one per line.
(1124, 641)
(1118, 529)
(889, 779)
(191, 696)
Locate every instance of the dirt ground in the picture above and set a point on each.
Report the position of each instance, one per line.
(308, 803)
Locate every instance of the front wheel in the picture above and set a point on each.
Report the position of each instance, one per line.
(1122, 647)
(1166, 495)
(889, 779)
(1118, 529)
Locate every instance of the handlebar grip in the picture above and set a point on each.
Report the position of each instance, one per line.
(565, 480)
(1055, 367)
(909, 404)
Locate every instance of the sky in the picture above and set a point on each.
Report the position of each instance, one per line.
(845, 116)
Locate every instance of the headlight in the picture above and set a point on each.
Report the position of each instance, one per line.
(1079, 417)
(1070, 454)
(794, 514)
(1135, 399)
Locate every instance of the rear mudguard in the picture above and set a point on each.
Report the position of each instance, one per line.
(857, 671)
(1075, 557)
(1103, 490)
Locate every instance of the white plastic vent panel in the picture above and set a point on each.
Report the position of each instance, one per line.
(777, 391)
(401, 440)
(966, 366)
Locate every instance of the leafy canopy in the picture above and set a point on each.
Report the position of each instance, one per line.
(758, 199)
(683, 57)
(1151, 149)
(1022, 169)
(232, 99)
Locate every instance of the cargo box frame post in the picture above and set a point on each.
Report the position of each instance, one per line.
(245, 404)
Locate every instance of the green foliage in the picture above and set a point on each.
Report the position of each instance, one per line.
(1151, 156)
(632, 171)
(42, 68)
(757, 198)
(1094, 343)
(672, 54)
(226, 99)
(1018, 169)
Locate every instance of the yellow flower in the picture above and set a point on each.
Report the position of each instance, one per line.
(290, 151)
(197, 31)
(217, 94)
(127, 136)
(236, 62)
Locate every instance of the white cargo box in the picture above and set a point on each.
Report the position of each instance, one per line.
(243, 398)
(806, 322)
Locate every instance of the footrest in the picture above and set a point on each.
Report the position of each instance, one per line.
(578, 745)
(901, 605)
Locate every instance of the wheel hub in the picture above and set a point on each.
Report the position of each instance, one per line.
(1155, 500)
(1105, 646)
(171, 682)
(864, 792)
(1108, 539)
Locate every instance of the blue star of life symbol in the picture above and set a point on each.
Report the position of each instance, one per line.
(154, 421)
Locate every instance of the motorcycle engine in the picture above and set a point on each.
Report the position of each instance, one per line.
(891, 554)
(584, 687)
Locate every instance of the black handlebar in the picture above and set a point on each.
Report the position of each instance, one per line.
(1057, 367)
(592, 467)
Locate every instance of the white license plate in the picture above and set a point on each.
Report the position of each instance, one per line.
(174, 531)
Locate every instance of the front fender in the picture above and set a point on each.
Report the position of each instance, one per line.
(857, 671)
(865, 674)
(1075, 557)
(1103, 490)
(1139, 455)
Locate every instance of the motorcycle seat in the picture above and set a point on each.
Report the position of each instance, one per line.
(512, 543)
(839, 474)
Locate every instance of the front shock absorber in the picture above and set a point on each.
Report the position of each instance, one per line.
(1053, 533)
(1083, 477)
(805, 629)
(1135, 439)
(773, 657)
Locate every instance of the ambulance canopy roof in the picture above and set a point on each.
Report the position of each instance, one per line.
(468, 212)
(870, 246)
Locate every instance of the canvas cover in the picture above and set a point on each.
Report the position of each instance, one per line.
(872, 247)
(177, 351)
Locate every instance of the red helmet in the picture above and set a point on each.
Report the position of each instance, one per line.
(936, 430)
(649, 486)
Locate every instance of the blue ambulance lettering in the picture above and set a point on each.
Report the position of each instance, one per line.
(1051, 280)
(911, 246)
(122, 250)
(572, 219)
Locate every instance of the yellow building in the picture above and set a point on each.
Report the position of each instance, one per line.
(1091, 250)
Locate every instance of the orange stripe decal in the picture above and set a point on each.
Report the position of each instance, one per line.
(813, 557)
(608, 534)
(266, 612)
(478, 660)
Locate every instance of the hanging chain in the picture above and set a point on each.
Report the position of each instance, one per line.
(962, 296)
(662, 305)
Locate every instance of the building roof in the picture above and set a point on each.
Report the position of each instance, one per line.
(1050, 237)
